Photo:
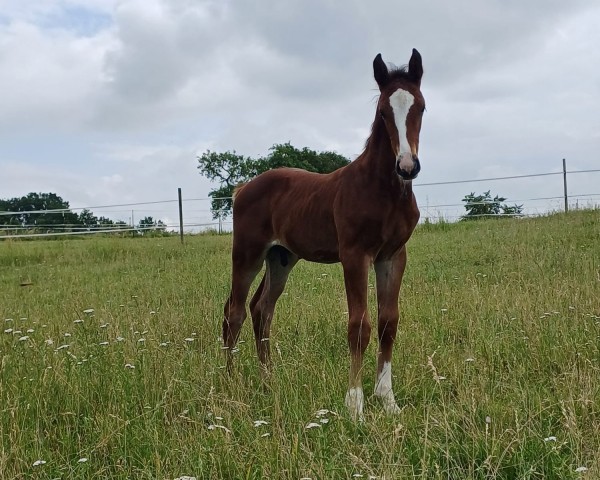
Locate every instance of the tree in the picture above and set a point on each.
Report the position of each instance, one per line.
(148, 224)
(231, 169)
(87, 218)
(480, 206)
(49, 212)
(59, 213)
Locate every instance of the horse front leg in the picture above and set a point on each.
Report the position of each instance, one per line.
(356, 270)
(388, 274)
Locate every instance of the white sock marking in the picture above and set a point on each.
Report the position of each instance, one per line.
(383, 389)
(355, 400)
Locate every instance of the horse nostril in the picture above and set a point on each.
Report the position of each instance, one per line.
(417, 166)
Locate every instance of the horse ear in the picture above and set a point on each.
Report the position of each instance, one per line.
(415, 67)
(380, 71)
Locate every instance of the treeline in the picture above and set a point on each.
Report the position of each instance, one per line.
(48, 212)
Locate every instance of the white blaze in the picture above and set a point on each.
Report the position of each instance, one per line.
(401, 101)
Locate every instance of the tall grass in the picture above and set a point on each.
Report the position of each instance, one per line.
(111, 362)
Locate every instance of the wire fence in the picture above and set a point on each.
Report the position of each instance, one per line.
(194, 215)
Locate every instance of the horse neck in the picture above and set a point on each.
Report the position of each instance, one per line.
(378, 160)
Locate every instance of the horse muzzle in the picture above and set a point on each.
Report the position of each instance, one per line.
(408, 166)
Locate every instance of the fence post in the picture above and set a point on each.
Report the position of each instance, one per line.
(180, 215)
(565, 185)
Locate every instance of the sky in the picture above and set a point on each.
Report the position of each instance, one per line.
(109, 102)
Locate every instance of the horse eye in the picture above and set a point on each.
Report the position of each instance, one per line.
(423, 110)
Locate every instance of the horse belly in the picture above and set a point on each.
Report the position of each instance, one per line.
(315, 241)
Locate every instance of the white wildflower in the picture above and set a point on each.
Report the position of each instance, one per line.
(213, 427)
(550, 439)
(258, 423)
(78, 321)
(89, 311)
(265, 435)
(189, 339)
(130, 366)
(8, 330)
(37, 463)
(581, 469)
(119, 339)
(82, 460)
(30, 330)
(103, 343)
(312, 425)
(24, 339)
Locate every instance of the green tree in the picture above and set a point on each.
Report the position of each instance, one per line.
(230, 169)
(87, 219)
(480, 206)
(55, 214)
(56, 211)
(148, 224)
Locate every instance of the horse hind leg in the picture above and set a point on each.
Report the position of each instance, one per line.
(245, 266)
(279, 263)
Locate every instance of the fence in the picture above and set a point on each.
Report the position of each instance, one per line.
(193, 215)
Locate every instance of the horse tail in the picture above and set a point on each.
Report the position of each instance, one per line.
(236, 190)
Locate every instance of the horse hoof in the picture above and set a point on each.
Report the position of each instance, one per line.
(392, 409)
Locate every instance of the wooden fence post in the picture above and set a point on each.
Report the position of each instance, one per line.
(565, 185)
(180, 215)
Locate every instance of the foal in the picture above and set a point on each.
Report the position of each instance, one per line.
(360, 215)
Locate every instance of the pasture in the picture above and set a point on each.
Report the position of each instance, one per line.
(112, 361)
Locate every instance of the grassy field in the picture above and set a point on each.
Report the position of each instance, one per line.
(111, 362)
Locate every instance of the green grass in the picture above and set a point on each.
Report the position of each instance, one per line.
(508, 311)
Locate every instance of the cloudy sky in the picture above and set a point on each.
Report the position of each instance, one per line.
(110, 101)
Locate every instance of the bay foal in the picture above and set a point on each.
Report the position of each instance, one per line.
(360, 215)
